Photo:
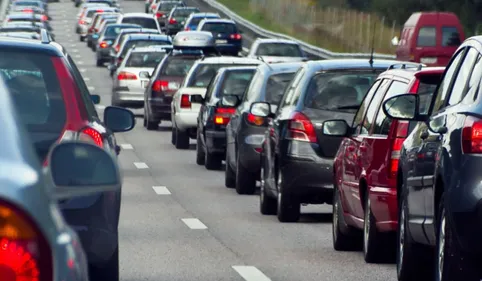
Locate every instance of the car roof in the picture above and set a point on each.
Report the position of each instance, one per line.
(275, 40)
(137, 15)
(20, 28)
(155, 48)
(219, 21)
(24, 15)
(280, 67)
(32, 45)
(138, 29)
(201, 15)
(236, 68)
(411, 72)
(104, 9)
(21, 34)
(148, 36)
(341, 64)
(226, 59)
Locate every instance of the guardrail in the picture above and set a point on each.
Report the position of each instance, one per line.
(308, 48)
(3, 9)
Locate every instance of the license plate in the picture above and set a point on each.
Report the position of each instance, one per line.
(428, 60)
(221, 41)
(144, 84)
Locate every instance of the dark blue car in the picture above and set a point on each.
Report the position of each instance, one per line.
(228, 38)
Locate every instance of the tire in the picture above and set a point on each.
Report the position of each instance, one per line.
(99, 63)
(229, 174)
(89, 44)
(82, 39)
(245, 180)
(345, 237)
(267, 204)
(374, 242)
(182, 139)
(173, 136)
(200, 154)
(144, 122)
(108, 271)
(151, 125)
(288, 206)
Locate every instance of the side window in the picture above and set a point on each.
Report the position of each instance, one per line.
(210, 88)
(459, 90)
(84, 91)
(474, 82)
(427, 36)
(363, 107)
(382, 123)
(290, 90)
(373, 107)
(450, 36)
(251, 91)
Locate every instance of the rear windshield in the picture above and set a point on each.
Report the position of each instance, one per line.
(276, 86)
(338, 91)
(145, 59)
(144, 22)
(195, 21)
(29, 19)
(142, 43)
(427, 37)
(236, 82)
(168, 6)
(184, 13)
(35, 89)
(113, 31)
(220, 27)
(177, 66)
(205, 72)
(450, 36)
(279, 50)
(30, 4)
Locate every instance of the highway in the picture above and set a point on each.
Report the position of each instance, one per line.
(179, 222)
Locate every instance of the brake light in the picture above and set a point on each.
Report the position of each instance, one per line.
(24, 252)
(91, 135)
(400, 133)
(44, 18)
(82, 22)
(254, 120)
(160, 85)
(27, 10)
(223, 115)
(117, 48)
(172, 21)
(235, 36)
(300, 128)
(123, 75)
(472, 135)
(103, 45)
(99, 11)
(187, 28)
(185, 101)
(158, 15)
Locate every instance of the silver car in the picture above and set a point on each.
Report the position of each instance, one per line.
(86, 19)
(132, 76)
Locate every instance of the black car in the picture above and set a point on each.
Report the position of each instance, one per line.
(297, 159)
(223, 95)
(174, 22)
(106, 40)
(439, 179)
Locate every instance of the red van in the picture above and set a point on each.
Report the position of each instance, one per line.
(430, 38)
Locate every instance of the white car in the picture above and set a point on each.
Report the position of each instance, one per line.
(186, 104)
(86, 19)
(142, 19)
(132, 76)
(82, 11)
(276, 50)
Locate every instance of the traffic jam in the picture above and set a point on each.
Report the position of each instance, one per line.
(235, 157)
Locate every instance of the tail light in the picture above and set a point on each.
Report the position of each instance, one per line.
(82, 22)
(255, 120)
(91, 135)
(172, 21)
(187, 28)
(117, 48)
(400, 129)
(99, 11)
(103, 45)
(185, 101)
(24, 252)
(27, 10)
(160, 85)
(300, 128)
(223, 115)
(472, 135)
(44, 18)
(235, 36)
(158, 15)
(123, 75)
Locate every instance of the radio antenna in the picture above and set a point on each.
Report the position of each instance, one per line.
(373, 45)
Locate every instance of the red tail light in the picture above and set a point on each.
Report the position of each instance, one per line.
(160, 85)
(158, 15)
(91, 135)
(27, 10)
(185, 101)
(44, 18)
(82, 22)
(235, 36)
(187, 28)
(400, 132)
(255, 120)
(99, 11)
(24, 252)
(172, 21)
(472, 136)
(223, 115)
(103, 45)
(300, 128)
(126, 76)
(117, 48)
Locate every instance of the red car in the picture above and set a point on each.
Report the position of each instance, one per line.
(366, 164)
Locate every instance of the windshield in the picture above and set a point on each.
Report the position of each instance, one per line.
(144, 59)
(276, 85)
(236, 82)
(279, 50)
(144, 22)
(30, 4)
(338, 91)
(142, 43)
(218, 27)
(205, 72)
(177, 66)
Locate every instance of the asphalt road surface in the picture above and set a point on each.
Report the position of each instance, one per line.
(179, 222)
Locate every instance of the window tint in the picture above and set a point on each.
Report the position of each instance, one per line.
(363, 107)
(275, 87)
(205, 72)
(279, 50)
(290, 89)
(425, 91)
(427, 37)
(142, 43)
(450, 36)
(461, 81)
(144, 22)
(144, 59)
(338, 91)
(235, 83)
(382, 123)
(219, 27)
(443, 88)
(177, 66)
(84, 91)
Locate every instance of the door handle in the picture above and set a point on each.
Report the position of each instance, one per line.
(424, 135)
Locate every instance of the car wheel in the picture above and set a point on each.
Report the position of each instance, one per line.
(182, 139)
(200, 154)
(267, 204)
(108, 271)
(288, 206)
(345, 237)
(229, 174)
(374, 246)
(82, 39)
(245, 180)
(144, 122)
(173, 136)
(212, 161)
(89, 44)
(152, 125)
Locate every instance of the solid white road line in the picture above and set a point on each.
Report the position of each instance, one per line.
(141, 165)
(82, 70)
(80, 62)
(250, 273)
(126, 146)
(161, 190)
(193, 223)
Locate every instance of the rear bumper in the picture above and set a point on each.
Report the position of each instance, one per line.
(249, 158)
(103, 54)
(132, 98)
(215, 141)
(229, 48)
(186, 120)
(159, 109)
(384, 204)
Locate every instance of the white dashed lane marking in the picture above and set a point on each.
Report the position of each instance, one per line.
(91, 88)
(75, 50)
(161, 190)
(141, 165)
(126, 146)
(78, 56)
(250, 273)
(193, 223)
(86, 79)
(80, 62)
(100, 107)
(82, 70)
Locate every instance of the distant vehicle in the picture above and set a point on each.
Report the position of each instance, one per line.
(174, 22)
(430, 38)
(276, 50)
(194, 19)
(142, 19)
(162, 8)
(228, 38)
(106, 38)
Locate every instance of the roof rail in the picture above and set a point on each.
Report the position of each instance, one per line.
(44, 35)
(407, 65)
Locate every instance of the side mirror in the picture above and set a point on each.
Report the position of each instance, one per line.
(335, 128)
(95, 99)
(119, 119)
(395, 41)
(196, 99)
(402, 107)
(144, 74)
(81, 169)
(230, 101)
(261, 109)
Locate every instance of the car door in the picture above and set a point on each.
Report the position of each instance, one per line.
(205, 107)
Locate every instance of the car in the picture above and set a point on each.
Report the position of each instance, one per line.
(184, 113)
(228, 38)
(29, 28)
(30, 17)
(54, 103)
(110, 3)
(223, 94)
(124, 32)
(373, 208)
(297, 159)
(132, 76)
(107, 36)
(163, 8)
(276, 50)
(194, 19)
(28, 6)
(86, 20)
(245, 133)
(148, 21)
(174, 22)
(84, 7)
(171, 71)
(103, 22)
(94, 25)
